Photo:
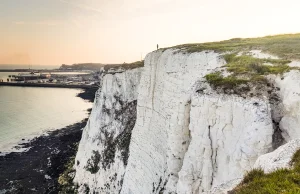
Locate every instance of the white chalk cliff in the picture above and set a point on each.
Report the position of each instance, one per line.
(162, 129)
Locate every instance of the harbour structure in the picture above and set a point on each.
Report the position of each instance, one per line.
(29, 76)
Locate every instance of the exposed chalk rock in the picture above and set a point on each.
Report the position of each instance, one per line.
(222, 147)
(161, 135)
(104, 148)
(178, 144)
(163, 129)
(261, 55)
(280, 158)
(289, 91)
(225, 187)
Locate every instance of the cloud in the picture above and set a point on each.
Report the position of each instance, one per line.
(77, 23)
(47, 23)
(43, 23)
(83, 6)
(19, 23)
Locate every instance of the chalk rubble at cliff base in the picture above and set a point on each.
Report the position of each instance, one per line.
(162, 129)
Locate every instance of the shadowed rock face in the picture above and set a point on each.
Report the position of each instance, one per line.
(127, 116)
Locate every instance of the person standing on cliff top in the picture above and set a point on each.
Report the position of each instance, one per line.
(157, 46)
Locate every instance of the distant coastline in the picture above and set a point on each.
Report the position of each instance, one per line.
(8, 66)
(46, 85)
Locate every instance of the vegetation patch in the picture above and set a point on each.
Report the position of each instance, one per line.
(247, 69)
(249, 65)
(126, 66)
(65, 180)
(286, 46)
(93, 163)
(217, 80)
(127, 116)
(279, 181)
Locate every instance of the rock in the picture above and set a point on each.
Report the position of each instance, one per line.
(163, 129)
(290, 95)
(280, 158)
(47, 177)
(104, 148)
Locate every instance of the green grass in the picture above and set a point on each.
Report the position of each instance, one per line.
(249, 65)
(252, 69)
(286, 46)
(133, 65)
(65, 181)
(217, 80)
(285, 181)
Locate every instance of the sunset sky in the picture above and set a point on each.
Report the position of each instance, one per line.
(52, 32)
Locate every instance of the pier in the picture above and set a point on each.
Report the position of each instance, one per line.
(48, 85)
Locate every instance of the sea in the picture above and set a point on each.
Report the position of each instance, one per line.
(10, 66)
(27, 112)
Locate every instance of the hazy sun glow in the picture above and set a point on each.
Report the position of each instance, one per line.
(52, 32)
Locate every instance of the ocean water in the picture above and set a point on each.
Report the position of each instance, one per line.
(4, 66)
(26, 112)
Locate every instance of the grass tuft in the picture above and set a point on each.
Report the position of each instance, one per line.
(217, 80)
(253, 69)
(280, 181)
(252, 175)
(249, 65)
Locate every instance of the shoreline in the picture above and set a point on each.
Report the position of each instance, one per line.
(37, 169)
(86, 94)
(46, 85)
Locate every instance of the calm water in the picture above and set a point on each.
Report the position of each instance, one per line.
(26, 112)
(4, 66)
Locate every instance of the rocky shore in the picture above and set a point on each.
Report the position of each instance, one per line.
(88, 94)
(38, 169)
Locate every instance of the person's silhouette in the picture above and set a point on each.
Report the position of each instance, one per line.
(157, 46)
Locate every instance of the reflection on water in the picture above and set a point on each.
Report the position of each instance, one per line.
(25, 111)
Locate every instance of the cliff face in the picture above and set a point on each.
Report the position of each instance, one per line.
(104, 148)
(289, 85)
(188, 141)
(163, 129)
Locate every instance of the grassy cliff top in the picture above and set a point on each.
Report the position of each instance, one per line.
(286, 46)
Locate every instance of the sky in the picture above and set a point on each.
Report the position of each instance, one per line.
(54, 32)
